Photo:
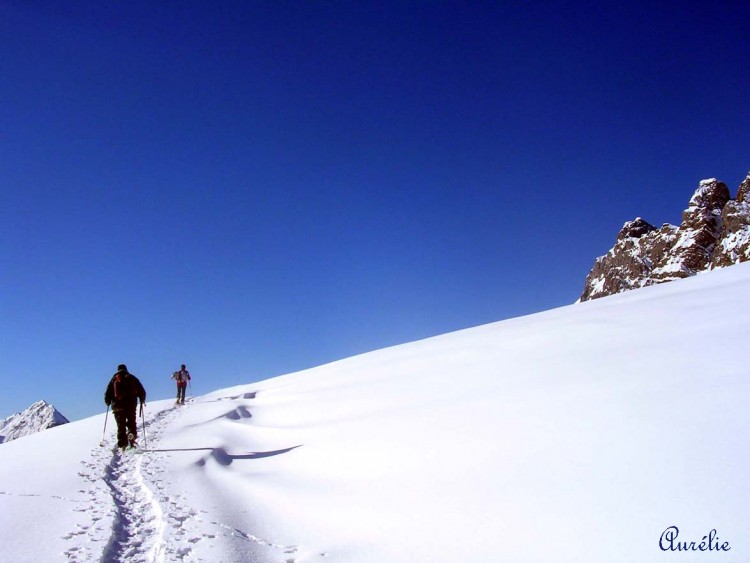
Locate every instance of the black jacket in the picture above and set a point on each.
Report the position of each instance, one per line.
(123, 391)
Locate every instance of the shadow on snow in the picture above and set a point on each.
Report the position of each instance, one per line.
(222, 457)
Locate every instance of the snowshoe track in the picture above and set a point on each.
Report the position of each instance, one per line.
(127, 516)
(138, 528)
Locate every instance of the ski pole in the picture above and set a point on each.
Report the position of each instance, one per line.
(143, 423)
(105, 427)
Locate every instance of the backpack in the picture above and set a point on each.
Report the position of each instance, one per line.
(181, 376)
(124, 387)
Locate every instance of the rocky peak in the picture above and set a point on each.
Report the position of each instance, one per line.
(733, 245)
(635, 229)
(744, 192)
(697, 235)
(715, 232)
(39, 416)
(711, 194)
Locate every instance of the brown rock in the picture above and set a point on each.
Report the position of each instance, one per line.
(698, 233)
(715, 232)
(635, 229)
(733, 245)
(743, 194)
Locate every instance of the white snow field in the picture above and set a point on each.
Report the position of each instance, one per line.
(579, 435)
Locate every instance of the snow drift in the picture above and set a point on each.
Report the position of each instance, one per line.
(579, 434)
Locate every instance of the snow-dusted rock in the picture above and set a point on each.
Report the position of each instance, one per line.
(715, 232)
(628, 265)
(697, 235)
(39, 416)
(733, 245)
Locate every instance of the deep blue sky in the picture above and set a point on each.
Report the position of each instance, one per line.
(254, 188)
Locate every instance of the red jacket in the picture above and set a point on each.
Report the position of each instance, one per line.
(182, 377)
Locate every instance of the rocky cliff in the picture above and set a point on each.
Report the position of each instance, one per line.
(715, 232)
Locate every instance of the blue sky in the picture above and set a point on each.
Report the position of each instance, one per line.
(254, 188)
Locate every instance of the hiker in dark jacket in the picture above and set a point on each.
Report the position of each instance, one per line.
(123, 392)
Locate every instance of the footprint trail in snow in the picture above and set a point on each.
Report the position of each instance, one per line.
(127, 522)
(128, 516)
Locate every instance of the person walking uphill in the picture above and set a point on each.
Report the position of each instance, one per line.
(123, 392)
(181, 377)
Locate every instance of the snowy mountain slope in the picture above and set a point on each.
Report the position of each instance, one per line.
(39, 416)
(579, 434)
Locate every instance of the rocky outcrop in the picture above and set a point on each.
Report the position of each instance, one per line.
(715, 232)
(628, 265)
(696, 239)
(733, 245)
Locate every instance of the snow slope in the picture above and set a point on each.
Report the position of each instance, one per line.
(578, 434)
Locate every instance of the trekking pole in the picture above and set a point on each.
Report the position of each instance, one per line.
(143, 423)
(101, 444)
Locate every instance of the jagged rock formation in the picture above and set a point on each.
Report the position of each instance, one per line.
(39, 416)
(715, 232)
(733, 245)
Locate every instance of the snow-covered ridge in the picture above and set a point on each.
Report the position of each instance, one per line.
(39, 416)
(714, 233)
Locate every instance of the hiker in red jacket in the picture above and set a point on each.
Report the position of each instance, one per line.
(181, 377)
(123, 392)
